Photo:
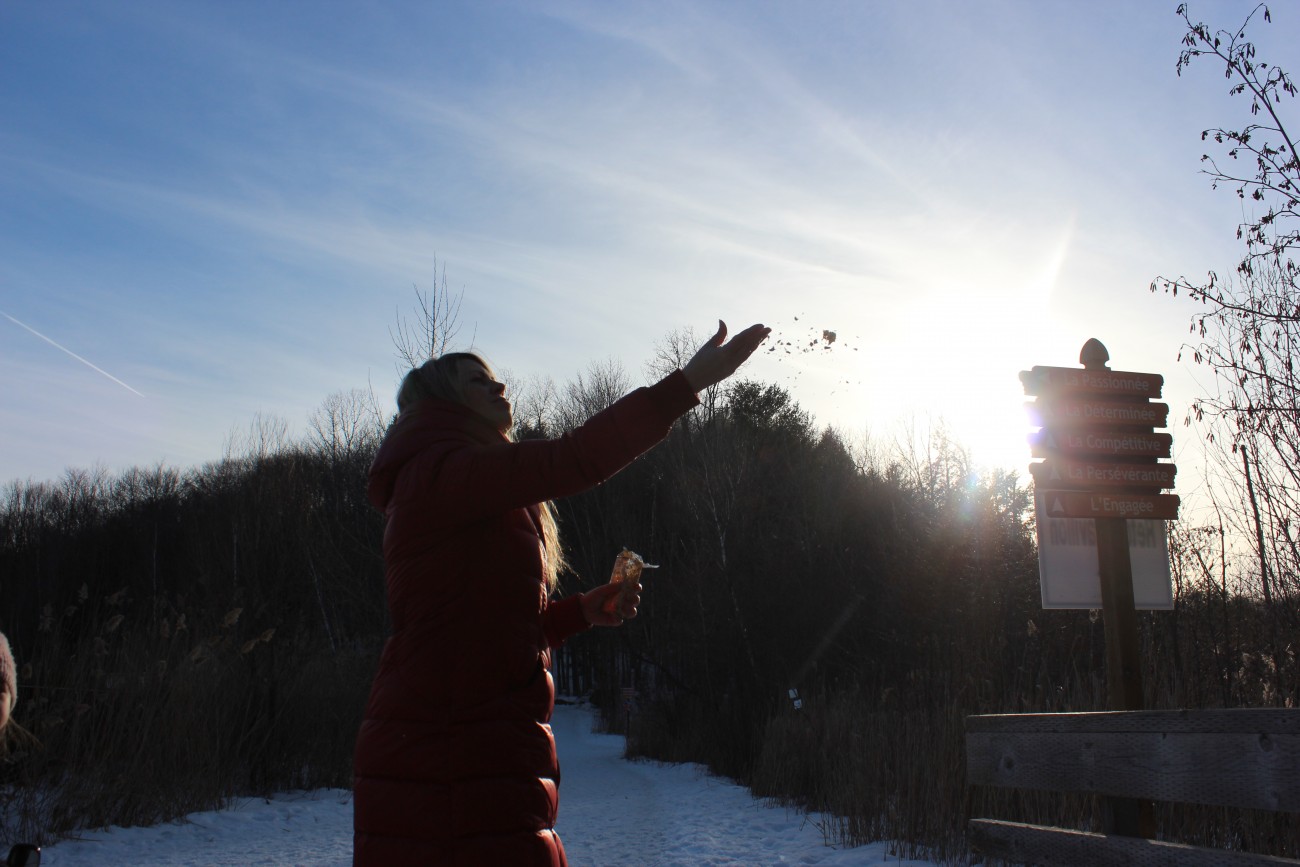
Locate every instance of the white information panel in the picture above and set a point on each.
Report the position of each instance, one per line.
(1068, 570)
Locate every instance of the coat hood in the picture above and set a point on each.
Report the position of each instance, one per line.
(419, 428)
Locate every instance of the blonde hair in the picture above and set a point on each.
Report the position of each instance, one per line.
(440, 378)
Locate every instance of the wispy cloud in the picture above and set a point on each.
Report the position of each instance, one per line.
(62, 348)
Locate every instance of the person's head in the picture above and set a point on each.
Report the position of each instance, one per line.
(463, 378)
(466, 379)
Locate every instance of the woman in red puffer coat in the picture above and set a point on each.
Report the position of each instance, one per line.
(455, 762)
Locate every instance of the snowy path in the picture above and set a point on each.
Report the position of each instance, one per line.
(612, 813)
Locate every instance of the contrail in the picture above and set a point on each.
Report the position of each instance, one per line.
(70, 352)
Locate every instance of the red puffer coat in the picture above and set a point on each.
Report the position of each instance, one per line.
(455, 762)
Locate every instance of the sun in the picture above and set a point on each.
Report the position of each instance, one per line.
(961, 374)
(955, 356)
(940, 355)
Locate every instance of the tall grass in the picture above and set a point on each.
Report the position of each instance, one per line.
(886, 765)
(140, 721)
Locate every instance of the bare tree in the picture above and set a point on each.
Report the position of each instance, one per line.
(346, 423)
(671, 353)
(590, 392)
(1264, 146)
(535, 402)
(266, 435)
(428, 330)
(1248, 332)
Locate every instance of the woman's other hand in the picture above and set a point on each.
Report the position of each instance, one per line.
(716, 360)
(609, 606)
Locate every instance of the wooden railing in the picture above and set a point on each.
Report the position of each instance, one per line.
(1248, 758)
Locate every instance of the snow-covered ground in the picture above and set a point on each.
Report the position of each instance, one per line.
(612, 812)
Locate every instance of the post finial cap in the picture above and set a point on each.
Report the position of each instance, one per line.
(1094, 355)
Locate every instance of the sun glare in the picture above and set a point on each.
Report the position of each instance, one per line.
(956, 363)
(911, 360)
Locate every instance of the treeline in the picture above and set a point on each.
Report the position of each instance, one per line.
(186, 637)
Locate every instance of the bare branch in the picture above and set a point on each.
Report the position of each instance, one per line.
(429, 329)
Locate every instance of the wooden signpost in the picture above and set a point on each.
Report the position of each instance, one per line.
(1102, 462)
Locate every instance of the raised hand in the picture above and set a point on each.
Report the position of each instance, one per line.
(716, 360)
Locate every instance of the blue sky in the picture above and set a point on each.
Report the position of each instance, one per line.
(212, 210)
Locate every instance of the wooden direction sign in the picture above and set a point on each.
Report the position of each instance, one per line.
(1100, 442)
(1073, 380)
(1089, 504)
(1081, 411)
(1095, 474)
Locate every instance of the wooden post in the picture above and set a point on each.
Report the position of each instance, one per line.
(1124, 816)
(1123, 667)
